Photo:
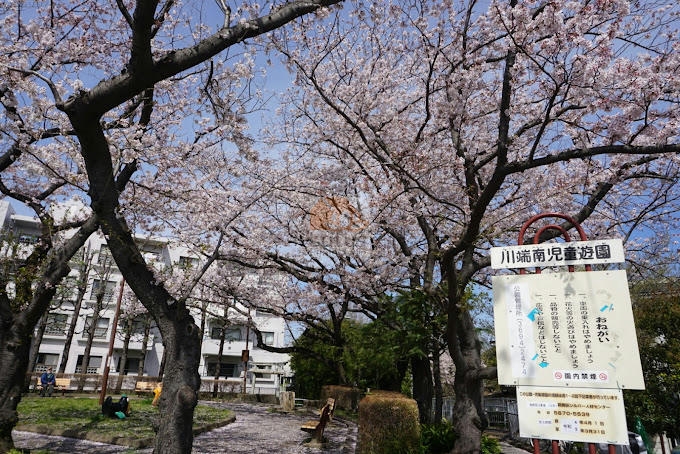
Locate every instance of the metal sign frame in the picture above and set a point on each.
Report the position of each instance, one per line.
(588, 267)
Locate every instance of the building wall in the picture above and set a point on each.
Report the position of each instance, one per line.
(163, 253)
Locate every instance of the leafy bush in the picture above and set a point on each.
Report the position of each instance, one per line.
(437, 438)
(490, 445)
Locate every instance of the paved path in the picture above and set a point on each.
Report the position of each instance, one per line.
(256, 430)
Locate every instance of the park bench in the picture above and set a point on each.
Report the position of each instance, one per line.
(61, 384)
(145, 386)
(315, 427)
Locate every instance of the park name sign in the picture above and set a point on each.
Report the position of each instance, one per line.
(566, 340)
(558, 254)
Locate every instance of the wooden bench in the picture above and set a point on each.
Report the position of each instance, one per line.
(145, 386)
(315, 427)
(61, 384)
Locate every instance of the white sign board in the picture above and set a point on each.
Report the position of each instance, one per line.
(566, 329)
(572, 414)
(558, 254)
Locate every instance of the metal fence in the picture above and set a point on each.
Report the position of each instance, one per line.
(501, 412)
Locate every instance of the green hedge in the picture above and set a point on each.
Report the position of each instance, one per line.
(388, 424)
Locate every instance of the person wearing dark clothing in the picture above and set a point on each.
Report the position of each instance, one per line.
(47, 382)
(119, 409)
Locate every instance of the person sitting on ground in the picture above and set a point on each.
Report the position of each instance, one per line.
(47, 382)
(120, 409)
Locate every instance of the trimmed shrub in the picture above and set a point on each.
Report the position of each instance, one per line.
(346, 397)
(388, 424)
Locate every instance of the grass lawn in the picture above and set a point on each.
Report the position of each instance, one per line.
(81, 417)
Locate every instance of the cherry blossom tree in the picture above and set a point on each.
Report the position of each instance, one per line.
(99, 94)
(30, 273)
(460, 120)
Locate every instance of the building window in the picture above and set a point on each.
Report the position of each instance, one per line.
(231, 334)
(235, 270)
(150, 253)
(108, 291)
(131, 366)
(215, 332)
(100, 330)
(46, 360)
(28, 239)
(105, 258)
(138, 326)
(261, 313)
(268, 338)
(226, 370)
(68, 290)
(188, 263)
(266, 281)
(92, 367)
(56, 324)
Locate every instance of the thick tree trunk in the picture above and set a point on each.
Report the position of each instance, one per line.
(422, 387)
(468, 416)
(14, 350)
(469, 419)
(180, 385)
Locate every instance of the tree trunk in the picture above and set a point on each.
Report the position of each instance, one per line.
(161, 368)
(35, 349)
(72, 327)
(14, 350)
(438, 391)
(468, 416)
(218, 367)
(86, 354)
(124, 356)
(145, 342)
(469, 419)
(422, 387)
(180, 384)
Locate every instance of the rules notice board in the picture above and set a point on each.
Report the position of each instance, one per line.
(574, 414)
(566, 329)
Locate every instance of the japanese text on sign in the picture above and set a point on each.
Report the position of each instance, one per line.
(557, 254)
(573, 414)
(566, 329)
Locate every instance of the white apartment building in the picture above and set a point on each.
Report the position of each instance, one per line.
(264, 373)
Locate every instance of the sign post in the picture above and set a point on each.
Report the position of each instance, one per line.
(564, 338)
